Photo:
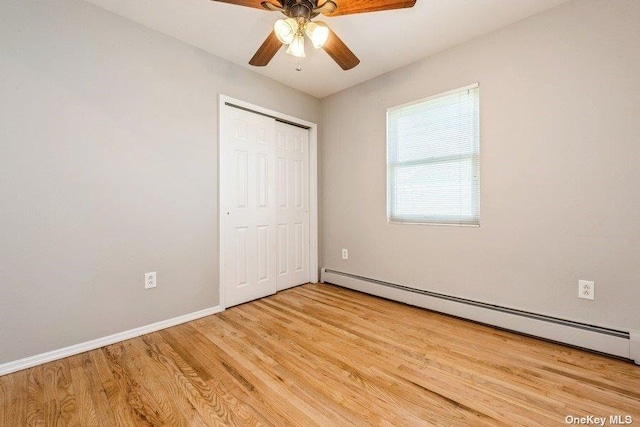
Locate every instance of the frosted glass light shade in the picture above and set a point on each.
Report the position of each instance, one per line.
(285, 29)
(296, 48)
(318, 33)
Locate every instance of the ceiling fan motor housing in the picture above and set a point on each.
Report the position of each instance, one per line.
(300, 9)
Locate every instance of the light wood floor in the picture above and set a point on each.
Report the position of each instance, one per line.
(327, 356)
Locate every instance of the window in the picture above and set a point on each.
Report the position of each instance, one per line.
(433, 160)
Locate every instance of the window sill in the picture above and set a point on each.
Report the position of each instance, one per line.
(396, 222)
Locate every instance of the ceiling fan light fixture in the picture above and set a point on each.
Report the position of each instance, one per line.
(296, 48)
(286, 30)
(318, 33)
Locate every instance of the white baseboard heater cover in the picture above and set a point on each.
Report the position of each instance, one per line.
(610, 341)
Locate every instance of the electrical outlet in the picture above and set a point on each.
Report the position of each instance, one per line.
(586, 289)
(345, 254)
(150, 280)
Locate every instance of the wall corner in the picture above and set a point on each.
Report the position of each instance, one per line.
(634, 346)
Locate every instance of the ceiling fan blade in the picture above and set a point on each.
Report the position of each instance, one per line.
(347, 7)
(249, 3)
(265, 52)
(340, 52)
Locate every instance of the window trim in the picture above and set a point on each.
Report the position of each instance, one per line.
(390, 167)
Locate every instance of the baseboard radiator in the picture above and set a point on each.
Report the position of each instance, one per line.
(625, 344)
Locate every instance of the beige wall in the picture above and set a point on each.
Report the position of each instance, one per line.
(108, 154)
(560, 141)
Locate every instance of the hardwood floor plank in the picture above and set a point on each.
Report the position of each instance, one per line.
(266, 386)
(35, 397)
(327, 356)
(93, 404)
(6, 399)
(208, 401)
(60, 406)
(355, 351)
(329, 368)
(301, 379)
(447, 360)
(235, 404)
(84, 409)
(13, 390)
(167, 393)
(141, 400)
(115, 384)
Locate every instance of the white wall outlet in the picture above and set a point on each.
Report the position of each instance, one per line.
(345, 253)
(150, 280)
(586, 289)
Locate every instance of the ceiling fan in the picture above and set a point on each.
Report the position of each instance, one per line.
(298, 22)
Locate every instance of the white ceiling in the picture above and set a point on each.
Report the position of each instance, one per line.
(382, 40)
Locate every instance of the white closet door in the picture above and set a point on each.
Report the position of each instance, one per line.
(248, 206)
(292, 204)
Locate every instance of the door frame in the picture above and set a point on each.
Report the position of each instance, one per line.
(313, 184)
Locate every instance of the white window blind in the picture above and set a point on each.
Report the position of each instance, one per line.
(433, 159)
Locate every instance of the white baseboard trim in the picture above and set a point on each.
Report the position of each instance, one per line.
(50, 356)
(616, 343)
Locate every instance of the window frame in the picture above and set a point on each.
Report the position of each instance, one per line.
(392, 167)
